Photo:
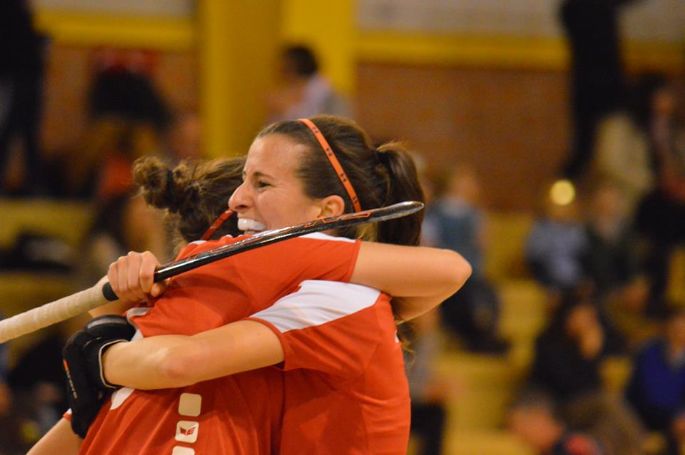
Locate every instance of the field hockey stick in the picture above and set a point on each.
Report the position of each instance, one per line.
(98, 295)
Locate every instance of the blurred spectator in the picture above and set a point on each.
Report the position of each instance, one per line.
(123, 88)
(568, 356)
(597, 80)
(38, 382)
(612, 265)
(428, 392)
(533, 417)
(21, 93)
(302, 90)
(17, 433)
(656, 388)
(129, 118)
(457, 222)
(557, 242)
(612, 262)
(569, 351)
(184, 138)
(661, 213)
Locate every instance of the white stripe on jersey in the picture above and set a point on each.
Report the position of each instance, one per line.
(322, 236)
(317, 302)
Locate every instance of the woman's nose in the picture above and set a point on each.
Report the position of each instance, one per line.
(239, 200)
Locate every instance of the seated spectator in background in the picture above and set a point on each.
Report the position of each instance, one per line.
(569, 351)
(656, 388)
(428, 391)
(566, 364)
(302, 90)
(612, 265)
(533, 417)
(557, 242)
(612, 262)
(456, 221)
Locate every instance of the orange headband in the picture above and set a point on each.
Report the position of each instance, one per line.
(337, 167)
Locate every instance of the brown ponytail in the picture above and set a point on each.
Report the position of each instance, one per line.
(402, 185)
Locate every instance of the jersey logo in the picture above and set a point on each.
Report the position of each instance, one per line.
(186, 431)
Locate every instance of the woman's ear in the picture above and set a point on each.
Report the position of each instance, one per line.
(332, 206)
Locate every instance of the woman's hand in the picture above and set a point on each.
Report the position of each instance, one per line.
(131, 277)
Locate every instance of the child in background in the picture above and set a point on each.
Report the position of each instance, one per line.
(557, 242)
(456, 221)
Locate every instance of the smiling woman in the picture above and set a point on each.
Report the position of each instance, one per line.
(339, 385)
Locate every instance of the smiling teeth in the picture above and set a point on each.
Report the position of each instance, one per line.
(246, 224)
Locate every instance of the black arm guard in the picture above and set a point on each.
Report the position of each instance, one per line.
(86, 384)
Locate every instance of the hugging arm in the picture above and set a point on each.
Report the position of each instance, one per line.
(169, 361)
(418, 278)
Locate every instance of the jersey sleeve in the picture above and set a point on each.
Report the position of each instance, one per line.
(330, 327)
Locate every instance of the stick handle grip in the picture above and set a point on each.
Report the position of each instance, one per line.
(52, 313)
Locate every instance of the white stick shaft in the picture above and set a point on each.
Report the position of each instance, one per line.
(51, 313)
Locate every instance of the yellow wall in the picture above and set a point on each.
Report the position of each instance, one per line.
(238, 42)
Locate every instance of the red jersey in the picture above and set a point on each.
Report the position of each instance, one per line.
(237, 414)
(345, 387)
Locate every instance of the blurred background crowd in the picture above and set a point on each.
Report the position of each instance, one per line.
(551, 144)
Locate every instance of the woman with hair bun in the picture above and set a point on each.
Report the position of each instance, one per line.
(338, 384)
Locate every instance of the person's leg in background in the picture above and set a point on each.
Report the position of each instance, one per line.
(428, 424)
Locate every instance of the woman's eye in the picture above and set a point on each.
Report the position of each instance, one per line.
(262, 184)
